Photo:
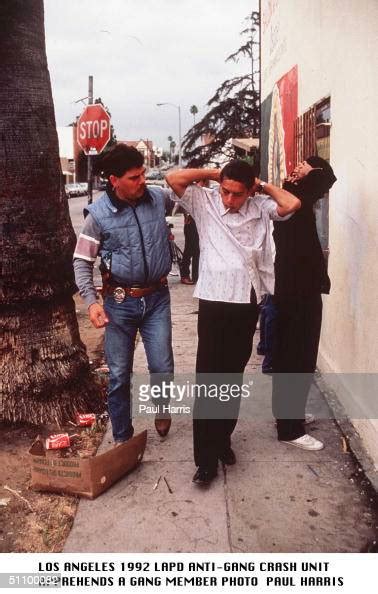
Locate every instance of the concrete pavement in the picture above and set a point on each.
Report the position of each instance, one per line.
(275, 499)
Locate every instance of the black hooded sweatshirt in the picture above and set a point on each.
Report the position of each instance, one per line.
(300, 267)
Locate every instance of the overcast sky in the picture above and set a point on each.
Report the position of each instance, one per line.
(142, 52)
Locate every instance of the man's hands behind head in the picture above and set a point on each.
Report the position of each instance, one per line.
(255, 187)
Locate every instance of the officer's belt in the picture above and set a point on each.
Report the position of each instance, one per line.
(115, 290)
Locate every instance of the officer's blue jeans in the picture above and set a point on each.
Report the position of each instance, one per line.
(151, 315)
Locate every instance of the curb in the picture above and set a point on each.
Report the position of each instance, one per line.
(349, 432)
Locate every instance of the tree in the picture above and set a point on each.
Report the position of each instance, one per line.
(172, 145)
(172, 148)
(194, 111)
(45, 370)
(234, 108)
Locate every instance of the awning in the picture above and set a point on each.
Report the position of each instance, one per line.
(245, 144)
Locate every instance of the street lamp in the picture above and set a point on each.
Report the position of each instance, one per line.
(178, 107)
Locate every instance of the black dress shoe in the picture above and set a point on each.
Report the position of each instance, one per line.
(228, 457)
(204, 476)
(163, 425)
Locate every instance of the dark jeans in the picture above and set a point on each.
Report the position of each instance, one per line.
(191, 251)
(294, 361)
(268, 315)
(225, 335)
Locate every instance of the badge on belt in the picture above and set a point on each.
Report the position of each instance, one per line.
(119, 295)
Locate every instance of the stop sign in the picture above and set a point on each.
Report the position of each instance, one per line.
(93, 129)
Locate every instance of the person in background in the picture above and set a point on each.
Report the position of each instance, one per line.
(267, 326)
(191, 252)
(236, 267)
(126, 227)
(300, 279)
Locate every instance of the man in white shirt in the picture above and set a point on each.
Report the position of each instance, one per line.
(236, 268)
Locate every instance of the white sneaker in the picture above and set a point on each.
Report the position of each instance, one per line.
(306, 442)
(309, 418)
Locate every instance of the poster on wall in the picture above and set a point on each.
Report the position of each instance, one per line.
(279, 111)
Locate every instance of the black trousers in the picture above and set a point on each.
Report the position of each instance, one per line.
(225, 336)
(295, 351)
(191, 251)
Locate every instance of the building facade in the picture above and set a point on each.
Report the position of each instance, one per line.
(66, 152)
(145, 147)
(319, 91)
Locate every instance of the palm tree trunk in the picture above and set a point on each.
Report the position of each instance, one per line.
(44, 368)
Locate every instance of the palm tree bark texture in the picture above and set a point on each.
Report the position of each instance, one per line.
(45, 376)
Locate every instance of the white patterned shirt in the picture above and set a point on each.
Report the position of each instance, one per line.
(236, 252)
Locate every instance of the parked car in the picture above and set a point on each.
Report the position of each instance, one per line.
(155, 177)
(102, 183)
(154, 174)
(73, 190)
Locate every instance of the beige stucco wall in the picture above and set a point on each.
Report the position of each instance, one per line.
(335, 45)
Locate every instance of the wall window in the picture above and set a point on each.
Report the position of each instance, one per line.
(304, 135)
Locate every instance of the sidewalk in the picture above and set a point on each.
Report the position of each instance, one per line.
(275, 499)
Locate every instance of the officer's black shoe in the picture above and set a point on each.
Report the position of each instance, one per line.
(228, 457)
(204, 476)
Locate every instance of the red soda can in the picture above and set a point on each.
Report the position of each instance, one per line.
(85, 420)
(58, 441)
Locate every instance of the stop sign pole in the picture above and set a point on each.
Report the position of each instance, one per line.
(89, 170)
(93, 132)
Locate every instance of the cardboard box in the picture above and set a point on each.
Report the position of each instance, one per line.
(88, 477)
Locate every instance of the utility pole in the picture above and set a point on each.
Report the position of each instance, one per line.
(89, 174)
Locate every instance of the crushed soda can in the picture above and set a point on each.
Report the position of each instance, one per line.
(58, 441)
(102, 369)
(85, 420)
